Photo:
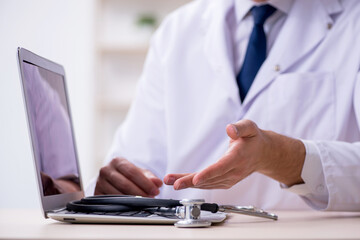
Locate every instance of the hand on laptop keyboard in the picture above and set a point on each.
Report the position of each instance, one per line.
(122, 177)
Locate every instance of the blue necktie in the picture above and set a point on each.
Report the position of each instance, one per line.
(256, 50)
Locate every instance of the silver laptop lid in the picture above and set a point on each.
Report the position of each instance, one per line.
(51, 130)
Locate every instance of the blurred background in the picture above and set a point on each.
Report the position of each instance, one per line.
(102, 44)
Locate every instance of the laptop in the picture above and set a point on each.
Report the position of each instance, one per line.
(54, 149)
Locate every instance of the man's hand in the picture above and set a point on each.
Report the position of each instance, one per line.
(124, 178)
(251, 149)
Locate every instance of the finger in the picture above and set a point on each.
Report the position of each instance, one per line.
(214, 186)
(232, 131)
(225, 181)
(178, 176)
(136, 177)
(119, 181)
(157, 181)
(184, 182)
(170, 179)
(110, 189)
(217, 169)
(123, 184)
(243, 128)
(105, 187)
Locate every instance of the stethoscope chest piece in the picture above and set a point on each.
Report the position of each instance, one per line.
(190, 212)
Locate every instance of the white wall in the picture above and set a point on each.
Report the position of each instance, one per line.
(61, 30)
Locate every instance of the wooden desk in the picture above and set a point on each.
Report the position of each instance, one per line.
(29, 224)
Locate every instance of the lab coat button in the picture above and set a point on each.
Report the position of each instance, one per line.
(329, 26)
(277, 68)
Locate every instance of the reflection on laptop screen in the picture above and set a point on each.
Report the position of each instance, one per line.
(51, 130)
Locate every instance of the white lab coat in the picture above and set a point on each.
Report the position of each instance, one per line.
(308, 88)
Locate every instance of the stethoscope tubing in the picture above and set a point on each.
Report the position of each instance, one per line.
(139, 202)
(126, 203)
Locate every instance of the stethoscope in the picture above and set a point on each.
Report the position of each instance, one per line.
(187, 210)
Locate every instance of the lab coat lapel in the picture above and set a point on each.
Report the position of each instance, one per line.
(294, 41)
(218, 48)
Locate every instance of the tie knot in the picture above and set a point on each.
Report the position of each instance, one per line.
(261, 13)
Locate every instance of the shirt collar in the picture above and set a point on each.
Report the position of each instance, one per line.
(242, 7)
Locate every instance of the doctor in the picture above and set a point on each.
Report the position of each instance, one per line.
(246, 102)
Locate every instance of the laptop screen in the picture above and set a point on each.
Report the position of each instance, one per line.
(52, 136)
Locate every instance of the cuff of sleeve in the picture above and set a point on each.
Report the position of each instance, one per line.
(300, 189)
(312, 174)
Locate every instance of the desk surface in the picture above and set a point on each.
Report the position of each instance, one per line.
(29, 224)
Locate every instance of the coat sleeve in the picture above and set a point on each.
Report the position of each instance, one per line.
(340, 171)
(141, 138)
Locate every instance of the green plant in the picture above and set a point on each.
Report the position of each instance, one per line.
(147, 19)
